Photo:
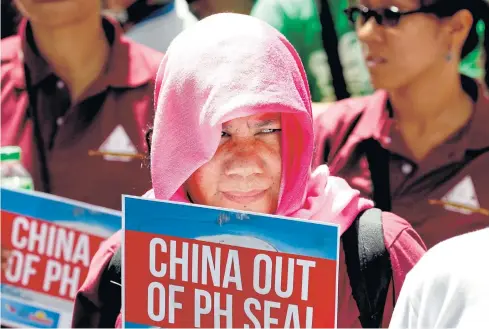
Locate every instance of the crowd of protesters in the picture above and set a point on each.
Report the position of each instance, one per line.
(327, 108)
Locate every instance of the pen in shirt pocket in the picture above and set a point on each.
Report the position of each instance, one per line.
(117, 154)
(481, 211)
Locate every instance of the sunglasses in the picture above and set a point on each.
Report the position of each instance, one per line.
(383, 16)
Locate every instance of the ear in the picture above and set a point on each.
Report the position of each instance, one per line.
(18, 6)
(458, 27)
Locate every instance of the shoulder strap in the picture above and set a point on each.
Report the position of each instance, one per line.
(368, 265)
(330, 44)
(110, 291)
(378, 162)
(38, 137)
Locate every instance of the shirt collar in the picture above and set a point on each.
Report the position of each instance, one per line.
(39, 69)
(373, 123)
(128, 66)
(373, 115)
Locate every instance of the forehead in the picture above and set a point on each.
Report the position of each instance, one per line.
(261, 118)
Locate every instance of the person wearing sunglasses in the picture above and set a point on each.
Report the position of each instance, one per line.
(419, 146)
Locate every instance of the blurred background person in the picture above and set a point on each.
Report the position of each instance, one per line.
(77, 97)
(153, 23)
(325, 40)
(339, 35)
(420, 145)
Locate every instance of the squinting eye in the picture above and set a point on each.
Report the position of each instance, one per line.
(270, 131)
(224, 134)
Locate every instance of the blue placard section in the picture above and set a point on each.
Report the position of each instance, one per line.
(51, 208)
(19, 300)
(134, 325)
(300, 237)
(27, 315)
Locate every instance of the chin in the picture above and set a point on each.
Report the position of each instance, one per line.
(261, 207)
(260, 210)
(392, 80)
(386, 83)
(61, 13)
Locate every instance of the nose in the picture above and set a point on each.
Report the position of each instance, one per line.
(244, 160)
(243, 168)
(370, 31)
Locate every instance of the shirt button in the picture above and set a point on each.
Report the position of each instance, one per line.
(60, 121)
(406, 168)
(60, 84)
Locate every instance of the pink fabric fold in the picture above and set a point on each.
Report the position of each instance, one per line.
(229, 66)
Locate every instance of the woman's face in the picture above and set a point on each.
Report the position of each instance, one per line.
(397, 55)
(245, 172)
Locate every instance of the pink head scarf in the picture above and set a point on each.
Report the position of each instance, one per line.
(229, 66)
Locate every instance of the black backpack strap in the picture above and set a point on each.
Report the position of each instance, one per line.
(111, 291)
(378, 162)
(368, 265)
(330, 44)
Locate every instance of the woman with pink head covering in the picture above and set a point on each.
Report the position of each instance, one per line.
(233, 129)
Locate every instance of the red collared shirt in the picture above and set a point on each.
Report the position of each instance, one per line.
(444, 195)
(111, 116)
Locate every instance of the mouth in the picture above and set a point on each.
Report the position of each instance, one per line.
(244, 197)
(373, 61)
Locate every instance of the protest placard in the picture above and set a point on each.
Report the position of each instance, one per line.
(191, 266)
(51, 242)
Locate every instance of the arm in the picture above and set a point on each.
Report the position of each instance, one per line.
(91, 309)
(406, 248)
(405, 315)
(322, 132)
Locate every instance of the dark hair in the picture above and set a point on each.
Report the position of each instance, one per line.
(149, 135)
(147, 158)
(10, 18)
(480, 12)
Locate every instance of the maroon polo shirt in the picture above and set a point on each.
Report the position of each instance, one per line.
(444, 195)
(111, 116)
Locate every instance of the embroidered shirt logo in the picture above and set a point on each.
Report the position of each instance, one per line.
(462, 194)
(118, 146)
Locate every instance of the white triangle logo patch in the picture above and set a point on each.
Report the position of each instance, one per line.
(463, 194)
(118, 142)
